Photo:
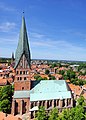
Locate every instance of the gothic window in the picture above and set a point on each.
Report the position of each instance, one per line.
(18, 78)
(16, 108)
(24, 72)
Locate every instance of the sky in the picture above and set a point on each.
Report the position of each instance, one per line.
(56, 28)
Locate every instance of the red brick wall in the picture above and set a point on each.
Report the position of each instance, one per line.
(22, 85)
(25, 106)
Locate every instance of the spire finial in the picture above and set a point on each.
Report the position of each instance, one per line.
(23, 13)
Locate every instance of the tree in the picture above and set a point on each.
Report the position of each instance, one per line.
(80, 101)
(53, 65)
(53, 114)
(77, 113)
(5, 106)
(45, 78)
(62, 72)
(36, 77)
(64, 115)
(41, 114)
(6, 93)
(51, 77)
(40, 78)
(47, 71)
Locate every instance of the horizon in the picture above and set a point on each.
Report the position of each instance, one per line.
(60, 60)
(56, 30)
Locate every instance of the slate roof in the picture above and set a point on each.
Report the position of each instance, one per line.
(23, 45)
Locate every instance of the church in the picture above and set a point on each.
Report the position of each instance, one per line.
(29, 94)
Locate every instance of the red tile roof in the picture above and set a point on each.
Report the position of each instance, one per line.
(11, 117)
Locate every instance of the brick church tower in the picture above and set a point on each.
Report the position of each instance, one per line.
(20, 103)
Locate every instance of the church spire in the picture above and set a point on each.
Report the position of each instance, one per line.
(23, 45)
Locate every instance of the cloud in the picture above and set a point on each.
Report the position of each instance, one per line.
(55, 44)
(44, 41)
(60, 49)
(73, 32)
(8, 41)
(7, 26)
(44, 47)
(36, 35)
(5, 7)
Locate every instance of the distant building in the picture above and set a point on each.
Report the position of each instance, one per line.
(28, 94)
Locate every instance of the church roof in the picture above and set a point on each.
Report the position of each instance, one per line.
(46, 90)
(50, 89)
(21, 94)
(23, 46)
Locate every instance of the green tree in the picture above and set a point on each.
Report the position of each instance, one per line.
(47, 71)
(41, 114)
(5, 106)
(53, 65)
(36, 77)
(80, 101)
(64, 115)
(45, 78)
(51, 77)
(77, 113)
(62, 72)
(40, 78)
(6, 93)
(53, 114)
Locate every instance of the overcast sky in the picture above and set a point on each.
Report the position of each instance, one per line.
(56, 28)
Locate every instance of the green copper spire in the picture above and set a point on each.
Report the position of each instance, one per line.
(23, 46)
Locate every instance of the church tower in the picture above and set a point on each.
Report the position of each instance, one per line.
(22, 84)
(22, 59)
(22, 56)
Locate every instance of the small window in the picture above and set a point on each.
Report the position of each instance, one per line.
(22, 88)
(20, 78)
(24, 78)
(24, 72)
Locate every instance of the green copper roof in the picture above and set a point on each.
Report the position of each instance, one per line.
(50, 89)
(21, 94)
(46, 90)
(23, 46)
